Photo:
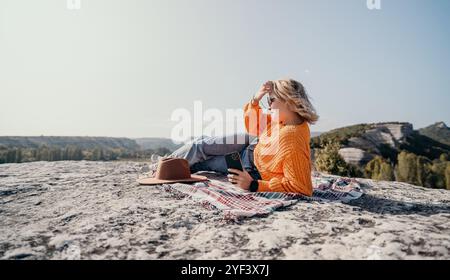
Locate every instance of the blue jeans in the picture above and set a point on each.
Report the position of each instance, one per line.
(207, 153)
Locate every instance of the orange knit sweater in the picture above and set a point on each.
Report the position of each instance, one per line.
(284, 161)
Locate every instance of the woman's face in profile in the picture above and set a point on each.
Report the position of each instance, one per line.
(278, 107)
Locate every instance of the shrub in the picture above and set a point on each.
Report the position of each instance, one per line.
(379, 169)
(328, 160)
(419, 170)
(407, 168)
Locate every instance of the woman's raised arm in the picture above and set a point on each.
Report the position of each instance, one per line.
(255, 120)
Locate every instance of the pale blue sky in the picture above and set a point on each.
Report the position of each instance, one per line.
(120, 67)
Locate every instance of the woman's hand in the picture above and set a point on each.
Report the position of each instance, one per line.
(266, 88)
(242, 179)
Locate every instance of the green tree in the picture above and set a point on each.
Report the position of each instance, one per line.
(65, 153)
(407, 168)
(379, 169)
(387, 172)
(438, 175)
(18, 156)
(2, 156)
(79, 154)
(372, 168)
(111, 154)
(11, 156)
(162, 151)
(75, 153)
(425, 174)
(328, 160)
(98, 154)
(419, 170)
(447, 176)
(43, 153)
(72, 152)
(33, 155)
(55, 154)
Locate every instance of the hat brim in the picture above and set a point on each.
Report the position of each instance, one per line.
(154, 181)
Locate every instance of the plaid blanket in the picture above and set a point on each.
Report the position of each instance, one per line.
(235, 203)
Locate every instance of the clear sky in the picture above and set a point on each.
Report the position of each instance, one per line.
(121, 67)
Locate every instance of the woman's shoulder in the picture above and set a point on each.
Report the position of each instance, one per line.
(294, 135)
(294, 130)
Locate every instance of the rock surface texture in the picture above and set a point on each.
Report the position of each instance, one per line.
(96, 210)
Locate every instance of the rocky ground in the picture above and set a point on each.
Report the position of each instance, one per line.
(96, 210)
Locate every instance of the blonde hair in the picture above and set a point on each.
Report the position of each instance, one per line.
(294, 94)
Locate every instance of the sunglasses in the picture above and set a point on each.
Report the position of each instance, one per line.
(270, 100)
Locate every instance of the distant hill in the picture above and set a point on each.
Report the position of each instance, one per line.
(87, 142)
(439, 132)
(63, 141)
(386, 151)
(17, 149)
(362, 142)
(156, 143)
